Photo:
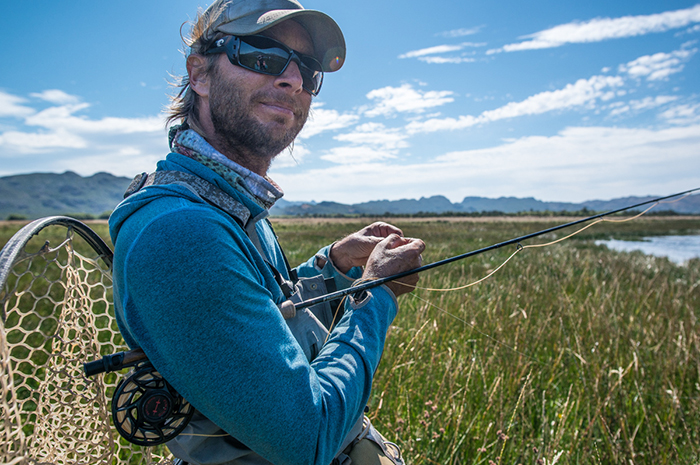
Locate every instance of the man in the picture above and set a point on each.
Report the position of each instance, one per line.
(200, 281)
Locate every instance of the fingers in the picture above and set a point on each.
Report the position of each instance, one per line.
(381, 229)
(355, 249)
(403, 254)
(396, 254)
(413, 247)
(392, 241)
(407, 248)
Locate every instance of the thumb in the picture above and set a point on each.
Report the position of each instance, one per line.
(393, 241)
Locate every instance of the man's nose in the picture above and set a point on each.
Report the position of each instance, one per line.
(290, 80)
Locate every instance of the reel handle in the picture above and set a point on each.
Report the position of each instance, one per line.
(114, 362)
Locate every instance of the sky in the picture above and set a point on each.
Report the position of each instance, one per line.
(558, 100)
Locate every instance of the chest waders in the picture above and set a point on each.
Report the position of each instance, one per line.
(147, 411)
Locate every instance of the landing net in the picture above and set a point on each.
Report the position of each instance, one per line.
(57, 313)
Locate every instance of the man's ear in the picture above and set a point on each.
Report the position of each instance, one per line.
(197, 71)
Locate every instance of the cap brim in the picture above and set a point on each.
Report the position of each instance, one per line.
(327, 38)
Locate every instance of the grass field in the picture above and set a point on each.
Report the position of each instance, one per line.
(569, 354)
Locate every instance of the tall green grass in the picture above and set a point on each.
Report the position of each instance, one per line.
(569, 354)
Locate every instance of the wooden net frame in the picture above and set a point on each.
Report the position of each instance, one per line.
(57, 313)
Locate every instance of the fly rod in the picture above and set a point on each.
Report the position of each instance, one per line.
(121, 360)
(378, 282)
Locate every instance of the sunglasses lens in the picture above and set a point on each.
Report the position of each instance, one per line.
(267, 56)
(311, 73)
(268, 60)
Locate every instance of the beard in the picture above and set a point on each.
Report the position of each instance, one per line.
(237, 128)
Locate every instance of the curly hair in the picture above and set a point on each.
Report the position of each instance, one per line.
(183, 104)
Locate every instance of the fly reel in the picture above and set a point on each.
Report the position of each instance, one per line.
(146, 410)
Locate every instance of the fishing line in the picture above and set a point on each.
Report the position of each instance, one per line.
(599, 219)
(523, 247)
(520, 247)
(380, 281)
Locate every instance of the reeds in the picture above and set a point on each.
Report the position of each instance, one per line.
(569, 354)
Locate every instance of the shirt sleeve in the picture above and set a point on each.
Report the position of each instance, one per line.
(329, 270)
(202, 304)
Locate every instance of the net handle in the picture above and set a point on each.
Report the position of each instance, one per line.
(114, 362)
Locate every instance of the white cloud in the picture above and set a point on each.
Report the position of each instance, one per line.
(369, 142)
(62, 117)
(431, 51)
(646, 103)
(57, 138)
(682, 114)
(583, 92)
(460, 32)
(56, 96)
(600, 29)
(658, 66)
(356, 155)
(652, 102)
(290, 157)
(690, 30)
(121, 155)
(321, 120)
(443, 60)
(11, 105)
(438, 49)
(405, 99)
(577, 164)
(16, 142)
(122, 158)
(442, 124)
(427, 55)
(376, 134)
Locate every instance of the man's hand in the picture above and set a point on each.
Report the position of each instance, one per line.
(353, 250)
(393, 255)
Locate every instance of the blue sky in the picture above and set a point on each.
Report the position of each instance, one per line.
(561, 101)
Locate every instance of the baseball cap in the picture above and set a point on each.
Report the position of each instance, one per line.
(248, 17)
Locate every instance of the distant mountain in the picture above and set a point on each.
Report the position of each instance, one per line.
(440, 205)
(44, 194)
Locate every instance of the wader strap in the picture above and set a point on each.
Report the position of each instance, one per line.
(220, 199)
(253, 233)
(292, 273)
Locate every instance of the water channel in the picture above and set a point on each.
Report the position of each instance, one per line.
(678, 249)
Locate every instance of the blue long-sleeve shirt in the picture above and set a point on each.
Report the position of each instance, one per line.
(193, 291)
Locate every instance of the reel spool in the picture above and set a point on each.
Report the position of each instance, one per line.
(146, 410)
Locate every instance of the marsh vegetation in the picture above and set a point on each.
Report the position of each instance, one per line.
(571, 353)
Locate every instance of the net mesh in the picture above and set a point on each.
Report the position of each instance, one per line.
(57, 313)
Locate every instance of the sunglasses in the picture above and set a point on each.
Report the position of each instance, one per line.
(268, 56)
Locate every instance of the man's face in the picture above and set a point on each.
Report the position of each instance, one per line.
(256, 114)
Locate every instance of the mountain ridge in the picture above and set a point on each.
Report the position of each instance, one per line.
(36, 195)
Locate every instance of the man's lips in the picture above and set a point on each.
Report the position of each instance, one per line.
(280, 107)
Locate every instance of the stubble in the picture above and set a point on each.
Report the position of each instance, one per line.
(237, 129)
